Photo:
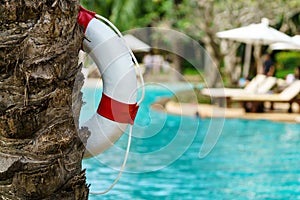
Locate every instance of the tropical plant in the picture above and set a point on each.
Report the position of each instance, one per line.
(201, 19)
(126, 14)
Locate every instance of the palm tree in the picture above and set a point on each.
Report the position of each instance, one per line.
(40, 148)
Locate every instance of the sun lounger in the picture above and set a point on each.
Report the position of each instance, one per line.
(288, 95)
(266, 85)
(259, 85)
(223, 92)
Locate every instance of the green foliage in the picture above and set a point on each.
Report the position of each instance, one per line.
(190, 71)
(288, 60)
(190, 96)
(200, 19)
(126, 14)
(286, 63)
(283, 73)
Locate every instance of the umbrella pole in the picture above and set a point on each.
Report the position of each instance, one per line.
(247, 60)
(257, 56)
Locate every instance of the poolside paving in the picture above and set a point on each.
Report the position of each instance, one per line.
(211, 111)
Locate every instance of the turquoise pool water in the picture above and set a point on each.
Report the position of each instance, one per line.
(251, 160)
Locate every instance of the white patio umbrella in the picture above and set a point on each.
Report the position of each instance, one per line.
(136, 44)
(254, 34)
(294, 45)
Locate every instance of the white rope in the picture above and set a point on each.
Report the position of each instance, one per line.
(122, 167)
(138, 103)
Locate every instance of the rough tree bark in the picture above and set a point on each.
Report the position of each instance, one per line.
(40, 148)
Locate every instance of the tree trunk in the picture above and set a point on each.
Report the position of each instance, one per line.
(40, 147)
(177, 73)
(213, 62)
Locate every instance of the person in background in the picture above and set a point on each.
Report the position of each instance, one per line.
(292, 77)
(157, 63)
(148, 62)
(268, 65)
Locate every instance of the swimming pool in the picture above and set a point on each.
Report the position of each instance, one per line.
(252, 159)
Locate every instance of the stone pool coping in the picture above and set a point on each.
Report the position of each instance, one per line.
(211, 111)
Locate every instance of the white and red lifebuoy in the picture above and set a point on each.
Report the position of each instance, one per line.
(118, 106)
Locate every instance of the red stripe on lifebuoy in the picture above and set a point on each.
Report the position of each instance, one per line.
(117, 111)
(84, 17)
